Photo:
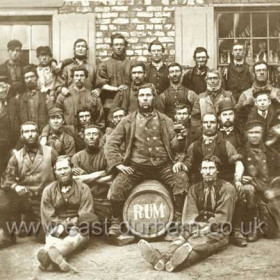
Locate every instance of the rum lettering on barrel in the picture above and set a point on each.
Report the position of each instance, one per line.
(148, 211)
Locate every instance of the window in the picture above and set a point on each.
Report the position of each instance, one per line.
(32, 32)
(259, 31)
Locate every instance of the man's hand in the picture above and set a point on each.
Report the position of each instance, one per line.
(21, 190)
(179, 166)
(57, 231)
(246, 179)
(65, 91)
(78, 171)
(95, 93)
(238, 187)
(122, 87)
(44, 140)
(125, 169)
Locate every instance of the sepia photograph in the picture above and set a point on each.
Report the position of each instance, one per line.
(139, 139)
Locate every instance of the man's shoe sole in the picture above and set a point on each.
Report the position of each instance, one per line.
(179, 256)
(151, 255)
(43, 257)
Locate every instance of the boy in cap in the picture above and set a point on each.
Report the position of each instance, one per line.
(47, 80)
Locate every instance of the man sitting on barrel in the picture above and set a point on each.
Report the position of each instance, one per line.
(149, 138)
(207, 217)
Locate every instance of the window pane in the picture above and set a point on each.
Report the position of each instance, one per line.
(33, 57)
(242, 25)
(225, 22)
(22, 33)
(25, 57)
(260, 49)
(274, 25)
(40, 36)
(225, 50)
(259, 24)
(6, 31)
(3, 56)
(274, 51)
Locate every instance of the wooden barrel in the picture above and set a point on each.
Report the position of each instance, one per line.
(148, 211)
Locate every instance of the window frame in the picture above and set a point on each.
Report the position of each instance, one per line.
(245, 10)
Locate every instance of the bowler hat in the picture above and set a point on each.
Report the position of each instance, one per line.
(225, 105)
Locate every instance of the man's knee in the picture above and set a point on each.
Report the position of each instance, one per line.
(121, 187)
(179, 183)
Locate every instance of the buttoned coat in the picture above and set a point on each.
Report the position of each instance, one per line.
(125, 132)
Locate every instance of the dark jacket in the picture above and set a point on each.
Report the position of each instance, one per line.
(125, 132)
(254, 115)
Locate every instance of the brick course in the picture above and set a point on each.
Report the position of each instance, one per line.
(140, 21)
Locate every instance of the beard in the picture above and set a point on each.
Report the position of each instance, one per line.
(31, 144)
(227, 124)
(214, 87)
(31, 85)
(92, 146)
(65, 180)
(148, 109)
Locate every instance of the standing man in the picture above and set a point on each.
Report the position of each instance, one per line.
(260, 82)
(237, 76)
(127, 99)
(194, 79)
(113, 75)
(67, 216)
(12, 69)
(209, 100)
(149, 138)
(34, 104)
(260, 181)
(81, 59)
(79, 96)
(176, 93)
(207, 217)
(48, 81)
(29, 171)
(57, 136)
(157, 72)
(9, 123)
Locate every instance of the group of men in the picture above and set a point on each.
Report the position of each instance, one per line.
(72, 132)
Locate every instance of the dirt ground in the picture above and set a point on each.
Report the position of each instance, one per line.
(103, 261)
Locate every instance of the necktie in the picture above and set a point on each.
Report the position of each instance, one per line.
(210, 198)
(264, 114)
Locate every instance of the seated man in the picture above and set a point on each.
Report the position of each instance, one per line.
(206, 222)
(209, 100)
(262, 168)
(116, 115)
(29, 171)
(78, 97)
(89, 165)
(184, 129)
(66, 210)
(149, 139)
(57, 136)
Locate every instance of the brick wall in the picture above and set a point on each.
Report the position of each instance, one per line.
(140, 21)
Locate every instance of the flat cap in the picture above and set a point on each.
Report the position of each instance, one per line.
(43, 50)
(253, 123)
(55, 112)
(14, 44)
